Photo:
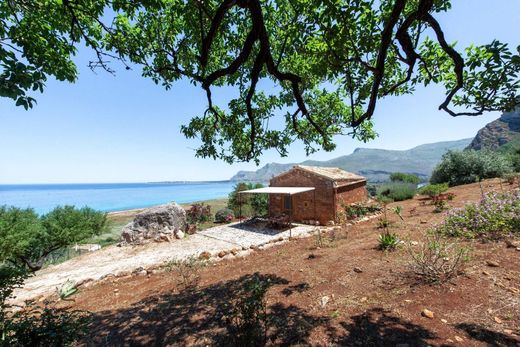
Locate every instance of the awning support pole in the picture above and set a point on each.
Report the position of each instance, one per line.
(291, 215)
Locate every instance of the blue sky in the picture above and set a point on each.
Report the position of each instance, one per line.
(126, 128)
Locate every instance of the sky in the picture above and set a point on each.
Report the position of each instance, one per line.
(124, 128)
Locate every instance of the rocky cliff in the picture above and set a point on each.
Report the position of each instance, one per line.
(499, 132)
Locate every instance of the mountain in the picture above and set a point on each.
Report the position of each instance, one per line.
(375, 164)
(499, 132)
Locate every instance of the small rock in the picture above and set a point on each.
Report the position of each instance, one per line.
(244, 248)
(363, 299)
(408, 300)
(518, 249)
(234, 251)
(492, 263)
(324, 300)
(357, 269)
(424, 222)
(498, 320)
(222, 254)
(142, 273)
(205, 255)
(116, 290)
(444, 321)
(301, 270)
(485, 273)
(192, 229)
(427, 313)
(508, 331)
(179, 234)
(450, 341)
(458, 338)
(512, 244)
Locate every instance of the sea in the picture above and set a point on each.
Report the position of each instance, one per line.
(110, 197)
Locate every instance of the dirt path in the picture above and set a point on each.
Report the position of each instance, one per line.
(121, 261)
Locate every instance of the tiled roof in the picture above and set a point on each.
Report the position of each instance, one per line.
(332, 173)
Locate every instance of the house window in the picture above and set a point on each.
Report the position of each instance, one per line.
(287, 202)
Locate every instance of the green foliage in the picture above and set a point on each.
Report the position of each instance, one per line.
(405, 178)
(388, 241)
(437, 260)
(198, 213)
(433, 190)
(35, 325)
(511, 151)
(246, 318)
(440, 206)
(331, 61)
(39, 39)
(354, 211)
(397, 210)
(188, 271)
(463, 167)
(496, 216)
(28, 239)
(224, 215)
(67, 290)
(397, 191)
(248, 204)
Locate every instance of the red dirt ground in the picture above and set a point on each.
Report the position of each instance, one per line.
(380, 306)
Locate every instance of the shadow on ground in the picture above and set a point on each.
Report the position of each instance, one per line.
(196, 318)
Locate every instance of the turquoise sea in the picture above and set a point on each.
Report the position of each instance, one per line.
(110, 196)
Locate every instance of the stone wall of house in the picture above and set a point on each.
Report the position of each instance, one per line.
(328, 199)
(303, 204)
(349, 194)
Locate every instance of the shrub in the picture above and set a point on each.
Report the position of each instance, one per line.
(440, 206)
(511, 178)
(437, 260)
(388, 241)
(463, 167)
(433, 190)
(358, 210)
(405, 178)
(371, 189)
(198, 213)
(496, 216)
(224, 215)
(28, 239)
(35, 325)
(252, 204)
(188, 270)
(246, 318)
(397, 191)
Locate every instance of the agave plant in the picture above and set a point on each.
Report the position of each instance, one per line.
(388, 241)
(67, 289)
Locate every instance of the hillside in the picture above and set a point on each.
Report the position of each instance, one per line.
(498, 133)
(375, 164)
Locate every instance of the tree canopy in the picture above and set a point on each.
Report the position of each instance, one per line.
(27, 239)
(301, 69)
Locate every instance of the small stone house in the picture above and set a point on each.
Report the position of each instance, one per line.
(334, 188)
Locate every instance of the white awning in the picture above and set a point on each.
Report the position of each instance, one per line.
(278, 190)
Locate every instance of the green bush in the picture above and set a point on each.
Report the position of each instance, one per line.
(388, 241)
(27, 239)
(246, 318)
(397, 191)
(433, 190)
(463, 167)
(405, 178)
(496, 216)
(357, 210)
(198, 213)
(248, 204)
(224, 215)
(35, 325)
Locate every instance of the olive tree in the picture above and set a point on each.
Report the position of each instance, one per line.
(27, 239)
(304, 70)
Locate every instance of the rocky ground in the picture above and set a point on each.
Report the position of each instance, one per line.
(344, 292)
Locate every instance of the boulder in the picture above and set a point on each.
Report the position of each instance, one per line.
(158, 223)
